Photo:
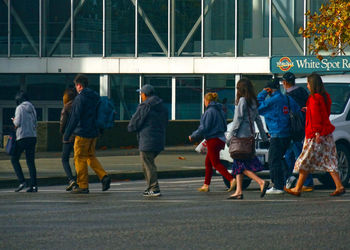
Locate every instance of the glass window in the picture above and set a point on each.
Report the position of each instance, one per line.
(3, 28)
(9, 85)
(153, 28)
(253, 23)
(7, 124)
(162, 87)
(287, 18)
(56, 28)
(224, 85)
(120, 28)
(258, 81)
(54, 114)
(88, 24)
(219, 28)
(25, 28)
(124, 95)
(186, 28)
(188, 98)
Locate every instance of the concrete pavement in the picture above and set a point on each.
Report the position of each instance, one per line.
(122, 164)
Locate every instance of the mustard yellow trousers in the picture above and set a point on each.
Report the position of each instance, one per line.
(84, 155)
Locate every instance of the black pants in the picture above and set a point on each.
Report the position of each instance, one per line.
(277, 164)
(27, 145)
(67, 149)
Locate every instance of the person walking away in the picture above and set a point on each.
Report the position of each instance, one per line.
(67, 147)
(276, 113)
(243, 121)
(319, 150)
(82, 123)
(300, 96)
(149, 122)
(25, 122)
(213, 127)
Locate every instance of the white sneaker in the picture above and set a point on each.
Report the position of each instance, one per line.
(290, 182)
(274, 191)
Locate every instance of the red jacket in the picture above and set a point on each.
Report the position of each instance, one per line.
(317, 116)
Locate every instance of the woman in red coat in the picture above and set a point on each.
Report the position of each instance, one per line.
(319, 151)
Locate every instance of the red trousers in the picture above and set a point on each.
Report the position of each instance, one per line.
(215, 145)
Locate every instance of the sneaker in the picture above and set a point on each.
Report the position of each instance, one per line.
(106, 183)
(71, 185)
(307, 189)
(20, 187)
(290, 182)
(78, 190)
(32, 189)
(151, 193)
(274, 191)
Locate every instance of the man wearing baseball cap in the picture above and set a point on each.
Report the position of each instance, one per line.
(149, 122)
(300, 95)
(276, 113)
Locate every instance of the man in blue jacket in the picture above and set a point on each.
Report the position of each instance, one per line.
(276, 113)
(82, 123)
(150, 121)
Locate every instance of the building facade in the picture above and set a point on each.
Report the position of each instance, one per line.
(184, 48)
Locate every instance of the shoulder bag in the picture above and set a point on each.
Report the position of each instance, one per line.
(297, 124)
(243, 148)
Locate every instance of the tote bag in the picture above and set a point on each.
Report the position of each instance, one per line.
(11, 143)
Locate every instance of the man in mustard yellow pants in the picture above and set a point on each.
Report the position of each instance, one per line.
(82, 123)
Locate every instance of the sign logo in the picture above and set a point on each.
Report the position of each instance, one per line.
(285, 64)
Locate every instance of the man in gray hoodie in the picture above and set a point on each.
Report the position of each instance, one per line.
(25, 124)
(150, 121)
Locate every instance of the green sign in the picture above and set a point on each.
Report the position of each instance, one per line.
(309, 64)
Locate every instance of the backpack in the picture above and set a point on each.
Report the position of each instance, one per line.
(106, 113)
(297, 124)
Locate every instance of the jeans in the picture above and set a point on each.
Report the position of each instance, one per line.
(28, 145)
(67, 148)
(84, 155)
(291, 155)
(277, 165)
(150, 169)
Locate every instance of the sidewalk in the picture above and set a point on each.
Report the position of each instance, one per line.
(121, 164)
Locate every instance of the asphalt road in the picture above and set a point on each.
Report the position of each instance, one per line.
(181, 218)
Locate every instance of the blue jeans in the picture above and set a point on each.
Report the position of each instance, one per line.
(291, 156)
(67, 149)
(277, 165)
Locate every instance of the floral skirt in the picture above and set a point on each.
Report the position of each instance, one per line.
(253, 165)
(318, 157)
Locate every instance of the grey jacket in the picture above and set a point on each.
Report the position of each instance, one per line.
(240, 124)
(25, 120)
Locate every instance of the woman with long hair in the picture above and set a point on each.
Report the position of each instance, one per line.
(213, 127)
(319, 151)
(246, 113)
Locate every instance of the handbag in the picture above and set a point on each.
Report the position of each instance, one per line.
(297, 124)
(243, 148)
(11, 143)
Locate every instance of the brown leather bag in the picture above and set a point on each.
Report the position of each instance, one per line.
(243, 148)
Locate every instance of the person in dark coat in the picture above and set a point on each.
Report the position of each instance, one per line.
(150, 121)
(67, 147)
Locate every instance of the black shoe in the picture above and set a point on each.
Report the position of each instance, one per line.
(32, 189)
(106, 183)
(151, 193)
(236, 197)
(71, 185)
(78, 190)
(266, 186)
(20, 187)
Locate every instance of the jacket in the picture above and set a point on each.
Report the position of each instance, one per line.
(82, 121)
(241, 124)
(150, 121)
(65, 115)
(317, 116)
(276, 113)
(212, 124)
(299, 94)
(25, 120)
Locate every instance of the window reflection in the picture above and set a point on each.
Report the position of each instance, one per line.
(188, 98)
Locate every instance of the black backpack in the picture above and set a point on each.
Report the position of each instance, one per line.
(297, 124)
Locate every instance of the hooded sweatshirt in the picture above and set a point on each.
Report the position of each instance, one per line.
(25, 120)
(213, 123)
(150, 121)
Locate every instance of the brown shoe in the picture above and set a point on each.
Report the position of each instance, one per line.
(232, 185)
(307, 189)
(203, 189)
(338, 192)
(289, 191)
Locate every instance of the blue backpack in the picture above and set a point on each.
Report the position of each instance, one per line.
(106, 113)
